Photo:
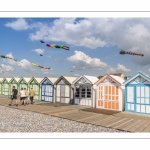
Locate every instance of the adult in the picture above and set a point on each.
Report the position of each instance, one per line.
(31, 94)
(27, 96)
(22, 97)
(14, 96)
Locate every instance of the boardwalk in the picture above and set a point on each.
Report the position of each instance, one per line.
(111, 119)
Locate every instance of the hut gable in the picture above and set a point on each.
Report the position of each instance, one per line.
(46, 81)
(82, 80)
(22, 81)
(110, 79)
(62, 81)
(138, 78)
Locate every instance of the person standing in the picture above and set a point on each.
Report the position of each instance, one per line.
(27, 96)
(14, 96)
(31, 94)
(22, 97)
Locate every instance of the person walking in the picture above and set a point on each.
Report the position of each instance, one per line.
(14, 96)
(31, 94)
(27, 96)
(22, 97)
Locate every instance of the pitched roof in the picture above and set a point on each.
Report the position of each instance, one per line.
(118, 79)
(136, 75)
(51, 79)
(68, 78)
(92, 79)
(37, 79)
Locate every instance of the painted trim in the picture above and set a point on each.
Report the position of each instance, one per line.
(44, 85)
(106, 75)
(76, 80)
(134, 76)
(135, 96)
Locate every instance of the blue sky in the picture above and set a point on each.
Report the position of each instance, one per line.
(94, 46)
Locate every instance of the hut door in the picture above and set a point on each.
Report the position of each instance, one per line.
(130, 98)
(64, 94)
(58, 93)
(111, 97)
(100, 96)
(142, 99)
(67, 94)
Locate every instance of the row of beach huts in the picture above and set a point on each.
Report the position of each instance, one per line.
(109, 92)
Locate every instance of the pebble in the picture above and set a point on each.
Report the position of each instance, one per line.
(15, 120)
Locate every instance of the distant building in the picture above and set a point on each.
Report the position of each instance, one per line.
(126, 77)
(99, 77)
(118, 74)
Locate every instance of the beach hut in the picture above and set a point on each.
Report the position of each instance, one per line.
(35, 84)
(64, 89)
(13, 82)
(23, 83)
(47, 89)
(83, 87)
(1, 85)
(110, 93)
(5, 87)
(137, 93)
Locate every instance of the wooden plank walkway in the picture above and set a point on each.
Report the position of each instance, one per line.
(124, 121)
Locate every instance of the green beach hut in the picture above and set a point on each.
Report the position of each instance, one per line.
(6, 86)
(23, 83)
(13, 82)
(35, 84)
(1, 85)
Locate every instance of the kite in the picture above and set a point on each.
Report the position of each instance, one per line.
(36, 65)
(42, 41)
(2, 56)
(56, 46)
(41, 55)
(71, 71)
(131, 53)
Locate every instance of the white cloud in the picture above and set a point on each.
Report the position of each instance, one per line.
(10, 61)
(111, 70)
(7, 68)
(19, 24)
(39, 51)
(26, 65)
(119, 68)
(130, 34)
(84, 62)
(122, 68)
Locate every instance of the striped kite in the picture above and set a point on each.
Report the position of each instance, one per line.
(2, 56)
(131, 53)
(36, 65)
(56, 46)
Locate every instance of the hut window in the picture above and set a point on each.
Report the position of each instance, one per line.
(77, 92)
(88, 92)
(83, 92)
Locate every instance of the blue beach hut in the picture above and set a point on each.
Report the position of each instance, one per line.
(47, 89)
(137, 93)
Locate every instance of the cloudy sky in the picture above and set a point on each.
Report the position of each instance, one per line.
(94, 46)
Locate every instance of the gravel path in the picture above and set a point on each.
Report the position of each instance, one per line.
(15, 120)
